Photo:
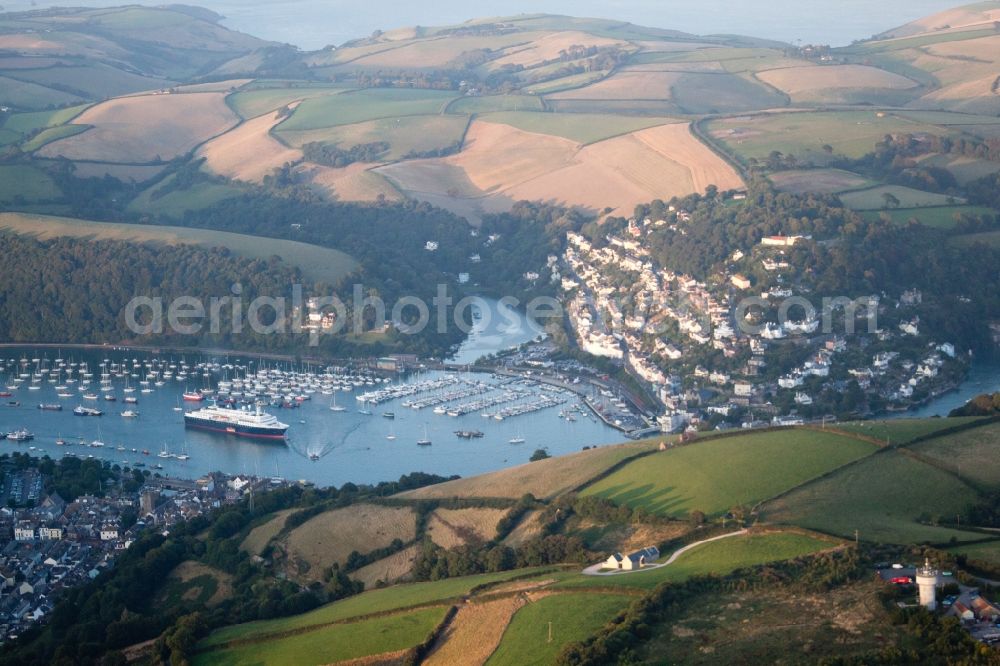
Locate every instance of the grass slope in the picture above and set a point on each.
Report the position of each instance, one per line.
(543, 478)
(252, 103)
(901, 431)
(375, 601)
(362, 105)
(716, 557)
(872, 199)
(882, 497)
(973, 454)
(333, 643)
(22, 182)
(714, 475)
(573, 617)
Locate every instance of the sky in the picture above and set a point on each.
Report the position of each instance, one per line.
(312, 24)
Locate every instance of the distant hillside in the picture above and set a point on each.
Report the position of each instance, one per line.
(977, 15)
(57, 56)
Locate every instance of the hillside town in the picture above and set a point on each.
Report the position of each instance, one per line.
(49, 545)
(739, 351)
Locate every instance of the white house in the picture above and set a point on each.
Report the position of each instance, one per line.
(632, 561)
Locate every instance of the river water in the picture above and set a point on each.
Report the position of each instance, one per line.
(983, 378)
(352, 446)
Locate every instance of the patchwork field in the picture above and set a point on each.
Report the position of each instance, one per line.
(548, 47)
(248, 152)
(803, 134)
(355, 182)
(583, 128)
(627, 85)
(468, 105)
(573, 617)
(359, 106)
(882, 497)
(145, 128)
(825, 181)
(335, 642)
(50, 134)
(96, 81)
(406, 136)
(252, 103)
(543, 478)
(723, 93)
(812, 82)
(332, 536)
(874, 198)
(29, 122)
(456, 527)
(367, 603)
(715, 475)
(501, 164)
(317, 263)
(27, 96)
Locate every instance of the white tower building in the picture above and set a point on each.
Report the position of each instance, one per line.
(927, 580)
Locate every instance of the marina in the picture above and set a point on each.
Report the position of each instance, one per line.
(343, 423)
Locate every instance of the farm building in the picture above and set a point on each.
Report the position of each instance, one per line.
(636, 560)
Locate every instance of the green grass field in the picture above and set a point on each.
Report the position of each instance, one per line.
(984, 552)
(333, 643)
(973, 454)
(96, 81)
(406, 135)
(580, 127)
(631, 107)
(714, 475)
(723, 93)
(29, 122)
(574, 617)
(175, 204)
(8, 137)
(27, 95)
(362, 105)
(872, 199)
(467, 105)
(883, 497)
(51, 134)
(939, 217)
(317, 263)
(901, 431)
(19, 182)
(252, 103)
(849, 133)
(716, 557)
(375, 601)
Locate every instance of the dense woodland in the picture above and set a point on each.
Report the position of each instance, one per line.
(75, 290)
